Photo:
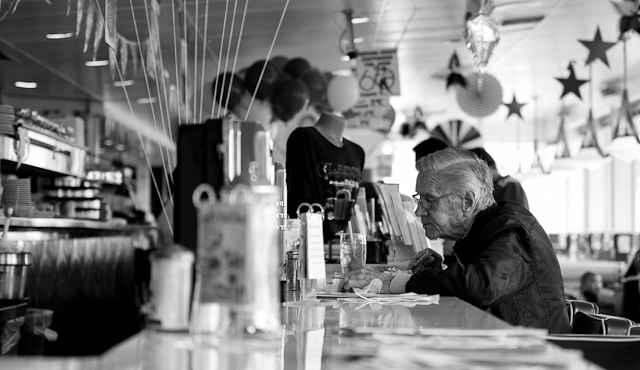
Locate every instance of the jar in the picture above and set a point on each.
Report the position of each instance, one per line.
(13, 274)
(171, 280)
(293, 270)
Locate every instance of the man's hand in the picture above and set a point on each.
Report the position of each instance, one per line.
(426, 259)
(362, 278)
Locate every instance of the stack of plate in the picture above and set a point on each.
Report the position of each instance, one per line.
(17, 195)
(7, 118)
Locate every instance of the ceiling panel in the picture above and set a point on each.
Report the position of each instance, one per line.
(426, 33)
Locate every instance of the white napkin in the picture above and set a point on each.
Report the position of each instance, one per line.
(374, 287)
(406, 299)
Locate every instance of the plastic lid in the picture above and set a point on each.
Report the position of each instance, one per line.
(15, 259)
(174, 251)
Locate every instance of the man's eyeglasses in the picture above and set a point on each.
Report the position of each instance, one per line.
(428, 202)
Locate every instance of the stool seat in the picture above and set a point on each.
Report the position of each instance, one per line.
(576, 305)
(595, 323)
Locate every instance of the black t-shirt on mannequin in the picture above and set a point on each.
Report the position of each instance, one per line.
(320, 163)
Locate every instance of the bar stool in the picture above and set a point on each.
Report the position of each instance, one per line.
(633, 329)
(576, 305)
(595, 323)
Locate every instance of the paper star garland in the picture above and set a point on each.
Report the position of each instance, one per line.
(597, 48)
(514, 107)
(571, 83)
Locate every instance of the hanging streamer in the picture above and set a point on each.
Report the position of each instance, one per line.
(97, 38)
(79, 14)
(110, 16)
(91, 12)
(133, 51)
(113, 61)
(124, 56)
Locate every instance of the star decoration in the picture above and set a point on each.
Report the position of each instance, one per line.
(571, 83)
(514, 107)
(597, 48)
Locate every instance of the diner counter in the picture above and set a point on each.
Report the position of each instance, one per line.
(331, 334)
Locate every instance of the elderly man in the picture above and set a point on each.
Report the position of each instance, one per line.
(502, 261)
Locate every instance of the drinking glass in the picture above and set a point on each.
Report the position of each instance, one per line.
(353, 251)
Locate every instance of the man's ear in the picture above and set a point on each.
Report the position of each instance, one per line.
(468, 202)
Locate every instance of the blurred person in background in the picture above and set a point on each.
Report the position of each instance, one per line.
(504, 187)
(631, 295)
(590, 287)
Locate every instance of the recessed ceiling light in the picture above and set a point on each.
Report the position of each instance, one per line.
(342, 72)
(359, 20)
(123, 83)
(25, 84)
(96, 63)
(59, 36)
(146, 100)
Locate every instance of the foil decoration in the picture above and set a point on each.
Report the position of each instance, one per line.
(482, 35)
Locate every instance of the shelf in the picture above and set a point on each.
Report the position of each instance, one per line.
(10, 309)
(48, 153)
(69, 223)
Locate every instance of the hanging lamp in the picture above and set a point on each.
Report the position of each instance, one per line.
(481, 35)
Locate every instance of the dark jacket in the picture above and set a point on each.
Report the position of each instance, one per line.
(506, 265)
(508, 188)
(631, 296)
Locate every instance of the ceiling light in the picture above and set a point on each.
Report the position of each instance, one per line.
(359, 20)
(521, 21)
(358, 40)
(146, 100)
(59, 36)
(342, 72)
(25, 84)
(123, 83)
(96, 63)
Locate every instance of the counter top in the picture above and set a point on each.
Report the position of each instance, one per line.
(330, 334)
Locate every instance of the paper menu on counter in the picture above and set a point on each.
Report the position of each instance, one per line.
(314, 246)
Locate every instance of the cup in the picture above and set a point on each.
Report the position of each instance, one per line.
(353, 251)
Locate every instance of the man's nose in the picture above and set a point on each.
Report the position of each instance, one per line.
(420, 211)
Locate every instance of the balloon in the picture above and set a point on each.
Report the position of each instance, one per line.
(316, 83)
(279, 62)
(296, 66)
(342, 93)
(289, 98)
(228, 86)
(267, 84)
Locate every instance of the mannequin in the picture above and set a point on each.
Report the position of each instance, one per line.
(331, 127)
(320, 163)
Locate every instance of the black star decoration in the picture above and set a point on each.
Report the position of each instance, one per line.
(597, 48)
(514, 107)
(571, 83)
